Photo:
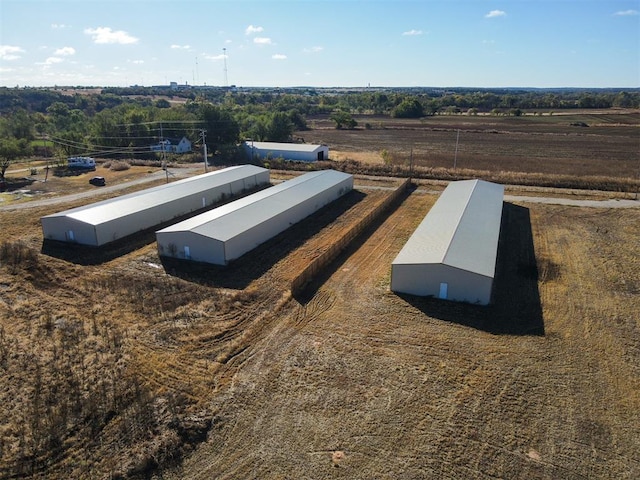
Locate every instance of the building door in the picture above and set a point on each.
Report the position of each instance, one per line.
(321, 155)
(444, 288)
(187, 252)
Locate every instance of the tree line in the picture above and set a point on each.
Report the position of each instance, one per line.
(127, 121)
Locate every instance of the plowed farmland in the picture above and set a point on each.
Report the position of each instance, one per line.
(606, 145)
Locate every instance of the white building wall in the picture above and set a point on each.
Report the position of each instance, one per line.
(65, 229)
(425, 280)
(288, 151)
(275, 214)
(122, 216)
(454, 249)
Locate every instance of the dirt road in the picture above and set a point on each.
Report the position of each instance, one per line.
(361, 181)
(611, 203)
(53, 200)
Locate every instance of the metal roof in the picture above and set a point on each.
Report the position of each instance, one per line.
(230, 220)
(461, 230)
(291, 147)
(107, 210)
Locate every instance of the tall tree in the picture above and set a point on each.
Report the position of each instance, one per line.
(408, 108)
(343, 119)
(10, 150)
(280, 127)
(222, 128)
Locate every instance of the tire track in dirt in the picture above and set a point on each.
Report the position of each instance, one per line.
(172, 354)
(398, 388)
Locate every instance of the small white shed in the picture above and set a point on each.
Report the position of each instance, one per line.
(302, 152)
(452, 254)
(229, 231)
(103, 222)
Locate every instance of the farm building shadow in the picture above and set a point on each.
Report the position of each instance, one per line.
(88, 255)
(515, 307)
(309, 290)
(239, 273)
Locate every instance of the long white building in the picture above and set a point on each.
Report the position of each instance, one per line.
(229, 231)
(452, 254)
(103, 222)
(302, 152)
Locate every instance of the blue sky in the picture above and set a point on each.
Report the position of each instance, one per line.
(322, 43)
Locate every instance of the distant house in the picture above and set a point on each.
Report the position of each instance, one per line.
(302, 152)
(172, 145)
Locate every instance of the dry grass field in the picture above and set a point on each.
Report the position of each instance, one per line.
(117, 364)
(546, 144)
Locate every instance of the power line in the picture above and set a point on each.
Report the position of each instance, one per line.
(159, 122)
(103, 149)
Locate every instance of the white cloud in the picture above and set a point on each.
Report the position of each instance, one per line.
(251, 30)
(626, 13)
(411, 33)
(104, 35)
(10, 52)
(262, 40)
(496, 13)
(53, 60)
(136, 62)
(58, 26)
(180, 47)
(313, 49)
(214, 58)
(65, 51)
(279, 56)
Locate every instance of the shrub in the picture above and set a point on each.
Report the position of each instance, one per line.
(119, 166)
(17, 255)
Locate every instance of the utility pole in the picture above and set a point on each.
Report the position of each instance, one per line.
(411, 164)
(46, 154)
(455, 157)
(163, 146)
(224, 57)
(638, 186)
(204, 147)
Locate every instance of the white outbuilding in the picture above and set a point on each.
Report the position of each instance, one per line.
(452, 254)
(103, 222)
(302, 152)
(229, 231)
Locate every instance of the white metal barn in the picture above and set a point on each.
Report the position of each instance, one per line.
(229, 231)
(452, 254)
(103, 222)
(289, 151)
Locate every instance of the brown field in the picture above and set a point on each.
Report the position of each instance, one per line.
(117, 365)
(546, 144)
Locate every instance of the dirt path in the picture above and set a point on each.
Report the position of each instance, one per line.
(611, 203)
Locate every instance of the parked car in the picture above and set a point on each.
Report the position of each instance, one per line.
(98, 181)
